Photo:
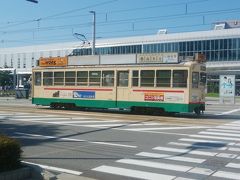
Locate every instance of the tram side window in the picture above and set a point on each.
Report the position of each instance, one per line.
(38, 78)
(58, 78)
(180, 78)
(94, 78)
(108, 78)
(135, 78)
(147, 78)
(70, 78)
(82, 78)
(163, 78)
(195, 79)
(203, 78)
(47, 78)
(122, 80)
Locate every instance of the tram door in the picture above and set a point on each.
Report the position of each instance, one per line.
(122, 89)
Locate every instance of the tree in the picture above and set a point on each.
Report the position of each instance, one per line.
(6, 78)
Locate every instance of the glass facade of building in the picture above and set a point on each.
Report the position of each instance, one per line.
(214, 50)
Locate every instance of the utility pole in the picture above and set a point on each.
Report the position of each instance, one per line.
(94, 32)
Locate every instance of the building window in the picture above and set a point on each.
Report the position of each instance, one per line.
(32, 62)
(18, 63)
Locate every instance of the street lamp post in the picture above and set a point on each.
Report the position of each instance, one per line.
(94, 32)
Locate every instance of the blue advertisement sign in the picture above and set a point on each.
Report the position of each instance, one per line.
(84, 94)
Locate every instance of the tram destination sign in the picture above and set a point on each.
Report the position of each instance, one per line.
(53, 62)
(157, 58)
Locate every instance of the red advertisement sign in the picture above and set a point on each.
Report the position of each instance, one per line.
(154, 97)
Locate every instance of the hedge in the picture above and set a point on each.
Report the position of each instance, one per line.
(10, 153)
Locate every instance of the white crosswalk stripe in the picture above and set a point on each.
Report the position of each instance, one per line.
(206, 141)
(220, 134)
(157, 165)
(171, 157)
(132, 173)
(185, 151)
(227, 175)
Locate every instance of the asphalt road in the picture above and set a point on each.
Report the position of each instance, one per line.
(119, 145)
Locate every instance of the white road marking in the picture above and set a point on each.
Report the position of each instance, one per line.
(38, 119)
(171, 157)
(223, 130)
(165, 128)
(233, 165)
(234, 149)
(210, 146)
(181, 178)
(216, 137)
(202, 171)
(227, 112)
(55, 168)
(228, 127)
(156, 165)
(132, 173)
(227, 175)
(185, 151)
(219, 134)
(104, 125)
(226, 155)
(205, 141)
(78, 140)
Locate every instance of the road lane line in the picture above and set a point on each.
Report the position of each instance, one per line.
(227, 112)
(171, 157)
(52, 168)
(132, 173)
(227, 175)
(77, 140)
(185, 151)
(72, 120)
(38, 119)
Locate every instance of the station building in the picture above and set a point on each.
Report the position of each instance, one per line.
(221, 46)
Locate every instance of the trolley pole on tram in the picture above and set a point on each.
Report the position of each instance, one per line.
(94, 32)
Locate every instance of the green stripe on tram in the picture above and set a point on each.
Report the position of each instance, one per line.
(169, 107)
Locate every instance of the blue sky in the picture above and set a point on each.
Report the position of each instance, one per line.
(50, 21)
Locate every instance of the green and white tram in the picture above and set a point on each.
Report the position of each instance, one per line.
(143, 86)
